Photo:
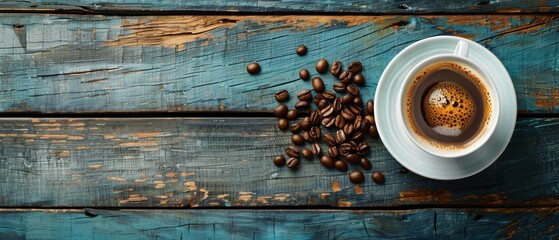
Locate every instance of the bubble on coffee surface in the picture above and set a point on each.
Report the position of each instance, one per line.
(449, 108)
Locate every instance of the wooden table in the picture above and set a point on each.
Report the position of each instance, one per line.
(137, 120)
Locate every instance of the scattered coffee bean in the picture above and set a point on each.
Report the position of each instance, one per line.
(253, 68)
(306, 124)
(328, 122)
(302, 104)
(297, 139)
(370, 107)
(358, 122)
(329, 139)
(315, 132)
(293, 163)
(404, 170)
(346, 77)
(346, 149)
(355, 67)
(373, 132)
(316, 149)
(304, 74)
(282, 95)
(340, 136)
(327, 161)
(339, 87)
(340, 121)
(357, 101)
(317, 98)
(315, 118)
(364, 126)
(347, 114)
(347, 99)
(365, 164)
(357, 135)
(337, 104)
(321, 65)
(304, 95)
(307, 136)
(357, 110)
(306, 153)
(370, 119)
(340, 165)
(352, 158)
(327, 111)
(292, 151)
(292, 114)
(322, 104)
(353, 90)
(359, 79)
(301, 50)
(279, 160)
(329, 95)
(317, 84)
(295, 127)
(356, 177)
(333, 151)
(283, 124)
(336, 68)
(281, 110)
(363, 148)
(378, 177)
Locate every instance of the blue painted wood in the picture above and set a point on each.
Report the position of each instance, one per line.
(531, 223)
(91, 63)
(212, 162)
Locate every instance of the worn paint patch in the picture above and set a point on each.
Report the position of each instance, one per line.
(148, 134)
(190, 186)
(95, 166)
(426, 195)
(336, 185)
(547, 100)
(139, 144)
(358, 189)
(344, 203)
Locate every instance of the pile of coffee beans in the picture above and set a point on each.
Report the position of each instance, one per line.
(340, 120)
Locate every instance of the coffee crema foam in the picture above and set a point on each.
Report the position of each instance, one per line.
(447, 105)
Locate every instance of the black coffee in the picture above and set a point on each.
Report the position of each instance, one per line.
(447, 105)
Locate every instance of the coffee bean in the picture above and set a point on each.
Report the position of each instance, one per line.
(404, 170)
(327, 111)
(304, 95)
(352, 158)
(317, 84)
(301, 50)
(279, 160)
(283, 123)
(328, 122)
(316, 149)
(333, 151)
(357, 110)
(339, 87)
(363, 148)
(370, 107)
(357, 135)
(347, 99)
(281, 110)
(295, 127)
(297, 139)
(365, 164)
(353, 145)
(253, 68)
(329, 95)
(359, 79)
(282, 95)
(340, 165)
(322, 104)
(357, 101)
(340, 136)
(306, 124)
(329, 139)
(356, 177)
(337, 104)
(347, 114)
(307, 136)
(293, 163)
(317, 98)
(291, 114)
(315, 118)
(358, 122)
(373, 132)
(346, 77)
(355, 67)
(378, 177)
(302, 104)
(364, 126)
(292, 151)
(340, 121)
(304, 74)
(321, 65)
(345, 149)
(306, 153)
(327, 161)
(370, 118)
(315, 132)
(353, 90)
(336, 68)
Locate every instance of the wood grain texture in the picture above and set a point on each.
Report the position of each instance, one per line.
(212, 162)
(91, 63)
(284, 6)
(531, 223)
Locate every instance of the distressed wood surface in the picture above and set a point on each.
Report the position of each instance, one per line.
(522, 223)
(92, 63)
(312, 6)
(210, 162)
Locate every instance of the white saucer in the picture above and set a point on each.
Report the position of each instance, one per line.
(409, 154)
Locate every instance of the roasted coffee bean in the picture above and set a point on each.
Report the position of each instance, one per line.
(283, 124)
(297, 139)
(353, 144)
(306, 124)
(329, 95)
(327, 161)
(359, 79)
(327, 111)
(353, 90)
(304, 95)
(282, 95)
(307, 136)
(281, 110)
(345, 149)
(364, 126)
(347, 114)
(337, 104)
(339, 87)
(340, 136)
(301, 50)
(340, 121)
(279, 160)
(358, 122)
(370, 118)
(304, 74)
(321, 65)
(365, 164)
(378, 177)
(316, 149)
(292, 151)
(333, 152)
(302, 104)
(292, 114)
(363, 148)
(352, 158)
(295, 127)
(347, 99)
(346, 77)
(293, 163)
(404, 170)
(328, 122)
(356, 177)
(317, 84)
(357, 101)
(322, 104)
(357, 110)
(306, 153)
(253, 68)
(317, 98)
(315, 132)
(340, 165)
(315, 118)
(336, 68)
(357, 135)
(370, 107)
(329, 139)
(355, 67)
(373, 132)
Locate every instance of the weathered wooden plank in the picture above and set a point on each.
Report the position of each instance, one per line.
(522, 223)
(89, 63)
(228, 162)
(312, 6)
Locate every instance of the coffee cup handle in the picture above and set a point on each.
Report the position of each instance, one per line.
(462, 49)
